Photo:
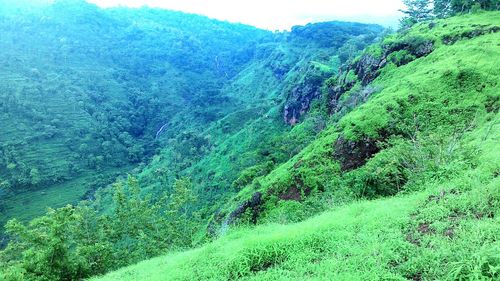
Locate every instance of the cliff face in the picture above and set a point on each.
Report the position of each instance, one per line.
(368, 66)
(303, 93)
(333, 36)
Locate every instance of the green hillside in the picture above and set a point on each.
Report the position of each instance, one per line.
(146, 144)
(86, 91)
(79, 109)
(435, 123)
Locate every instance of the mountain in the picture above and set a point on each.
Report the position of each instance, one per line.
(421, 139)
(85, 91)
(334, 151)
(90, 94)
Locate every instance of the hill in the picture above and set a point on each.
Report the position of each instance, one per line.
(414, 119)
(333, 151)
(85, 91)
(91, 94)
(132, 113)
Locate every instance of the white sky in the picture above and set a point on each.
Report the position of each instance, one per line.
(277, 14)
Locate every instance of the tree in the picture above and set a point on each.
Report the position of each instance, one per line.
(417, 11)
(72, 243)
(35, 176)
(178, 210)
(442, 8)
(43, 247)
(445, 8)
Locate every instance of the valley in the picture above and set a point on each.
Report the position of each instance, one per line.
(148, 144)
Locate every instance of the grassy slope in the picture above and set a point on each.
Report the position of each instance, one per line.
(450, 88)
(446, 230)
(363, 241)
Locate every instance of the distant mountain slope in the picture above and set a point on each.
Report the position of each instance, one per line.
(85, 91)
(275, 91)
(92, 86)
(415, 116)
(91, 94)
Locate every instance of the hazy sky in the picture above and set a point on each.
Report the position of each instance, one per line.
(277, 14)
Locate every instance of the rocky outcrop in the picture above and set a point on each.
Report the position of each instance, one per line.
(299, 103)
(416, 46)
(354, 154)
(328, 38)
(480, 30)
(220, 221)
(252, 203)
(299, 98)
(296, 192)
(368, 66)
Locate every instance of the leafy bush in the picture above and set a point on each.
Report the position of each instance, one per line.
(72, 243)
(401, 57)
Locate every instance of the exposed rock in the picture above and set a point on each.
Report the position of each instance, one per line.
(367, 68)
(335, 92)
(482, 30)
(417, 46)
(220, 222)
(299, 102)
(307, 88)
(354, 154)
(253, 203)
(424, 49)
(295, 192)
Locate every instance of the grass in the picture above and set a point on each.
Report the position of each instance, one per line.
(29, 204)
(303, 247)
(369, 240)
(444, 222)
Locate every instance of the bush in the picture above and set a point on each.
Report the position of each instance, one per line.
(73, 243)
(401, 57)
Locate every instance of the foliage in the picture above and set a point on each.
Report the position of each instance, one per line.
(416, 122)
(381, 239)
(422, 10)
(72, 243)
(415, 119)
(87, 90)
(418, 10)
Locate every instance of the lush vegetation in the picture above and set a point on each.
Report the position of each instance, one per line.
(71, 243)
(85, 91)
(423, 10)
(90, 94)
(433, 122)
(223, 127)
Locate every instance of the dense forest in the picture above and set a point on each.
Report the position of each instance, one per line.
(333, 151)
